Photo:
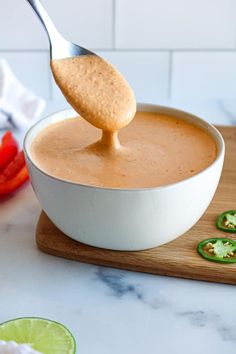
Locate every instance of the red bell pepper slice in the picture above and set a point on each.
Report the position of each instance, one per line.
(12, 184)
(8, 149)
(13, 168)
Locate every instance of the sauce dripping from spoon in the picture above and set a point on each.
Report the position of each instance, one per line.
(99, 93)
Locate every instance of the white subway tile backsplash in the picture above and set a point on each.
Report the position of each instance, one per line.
(204, 75)
(19, 27)
(88, 23)
(173, 24)
(147, 73)
(139, 37)
(32, 69)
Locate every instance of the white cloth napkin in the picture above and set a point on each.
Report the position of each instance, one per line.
(19, 107)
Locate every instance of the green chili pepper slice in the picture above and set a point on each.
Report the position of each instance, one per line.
(218, 250)
(227, 221)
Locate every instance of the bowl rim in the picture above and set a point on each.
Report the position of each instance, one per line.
(140, 107)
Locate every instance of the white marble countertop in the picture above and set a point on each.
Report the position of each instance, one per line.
(108, 310)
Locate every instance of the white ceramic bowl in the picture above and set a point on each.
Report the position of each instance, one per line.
(125, 219)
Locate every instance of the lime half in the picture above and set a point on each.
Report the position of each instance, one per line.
(44, 336)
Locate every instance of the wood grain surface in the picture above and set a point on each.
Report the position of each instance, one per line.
(178, 258)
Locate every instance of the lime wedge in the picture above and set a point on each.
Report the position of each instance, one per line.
(44, 336)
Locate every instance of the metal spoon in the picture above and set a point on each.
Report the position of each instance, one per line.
(60, 48)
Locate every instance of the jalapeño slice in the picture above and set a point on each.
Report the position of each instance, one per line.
(218, 250)
(227, 221)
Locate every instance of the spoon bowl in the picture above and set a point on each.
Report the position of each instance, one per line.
(78, 71)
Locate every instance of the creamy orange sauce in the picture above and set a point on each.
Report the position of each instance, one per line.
(98, 92)
(155, 150)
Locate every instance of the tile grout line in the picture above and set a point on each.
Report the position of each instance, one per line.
(142, 50)
(24, 50)
(186, 50)
(113, 24)
(170, 74)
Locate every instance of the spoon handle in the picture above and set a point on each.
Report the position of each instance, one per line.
(44, 18)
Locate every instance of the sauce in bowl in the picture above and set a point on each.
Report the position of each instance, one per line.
(155, 150)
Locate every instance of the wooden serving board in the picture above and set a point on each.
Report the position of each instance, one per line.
(178, 258)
